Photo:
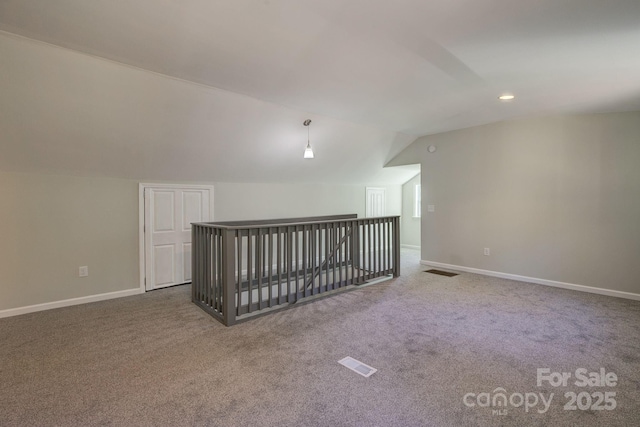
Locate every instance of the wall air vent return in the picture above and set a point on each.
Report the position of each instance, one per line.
(357, 366)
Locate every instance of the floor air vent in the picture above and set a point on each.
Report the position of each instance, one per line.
(441, 273)
(357, 366)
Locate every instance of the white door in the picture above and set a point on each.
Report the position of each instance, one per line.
(168, 214)
(376, 201)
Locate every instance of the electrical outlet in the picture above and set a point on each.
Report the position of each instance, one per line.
(83, 271)
(431, 208)
(487, 251)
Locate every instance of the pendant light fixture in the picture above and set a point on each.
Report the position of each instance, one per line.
(308, 152)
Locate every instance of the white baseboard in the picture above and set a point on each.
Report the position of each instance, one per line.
(410, 247)
(68, 302)
(553, 283)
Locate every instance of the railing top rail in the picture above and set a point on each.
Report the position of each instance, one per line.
(285, 222)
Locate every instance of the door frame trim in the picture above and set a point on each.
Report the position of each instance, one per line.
(142, 186)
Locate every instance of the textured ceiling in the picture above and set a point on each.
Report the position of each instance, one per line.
(396, 69)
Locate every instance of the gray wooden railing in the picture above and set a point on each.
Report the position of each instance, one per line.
(246, 268)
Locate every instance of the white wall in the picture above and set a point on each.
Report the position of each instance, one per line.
(267, 201)
(52, 224)
(410, 225)
(554, 198)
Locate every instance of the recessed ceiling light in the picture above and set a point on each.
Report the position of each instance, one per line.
(506, 97)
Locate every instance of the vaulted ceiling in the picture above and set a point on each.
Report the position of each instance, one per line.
(371, 74)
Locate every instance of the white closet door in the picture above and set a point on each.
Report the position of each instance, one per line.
(376, 201)
(169, 213)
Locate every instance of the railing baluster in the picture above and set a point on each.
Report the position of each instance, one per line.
(389, 244)
(216, 291)
(312, 237)
(279, 267)
(353, 245)
(368, 252)
(368, 245)
(203, 265)
(297, 260)
(340, 252)
(372, 248)
(209, 268)
(320, 252)
(209, 273)
(288, 261)
(386, 246)
(362, 234)
(215, 270)
(326, 256)
(239, 245)
(197, 259)
(195, 253)
(372, 245)
(355, 249)
(264, 252)
(217, 273)
(260, 263)
(305, 261)
(220, 282)
(378, 248)
(250, 269)
(317, 271)
(270, 258)
(334, 248)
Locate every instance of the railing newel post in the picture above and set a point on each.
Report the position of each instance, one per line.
(194, 267)
(396, 247)
(228, 277)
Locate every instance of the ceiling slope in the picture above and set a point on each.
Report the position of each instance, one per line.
(407, 67)
(66, 112)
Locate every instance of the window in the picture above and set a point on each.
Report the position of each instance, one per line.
(417, 201)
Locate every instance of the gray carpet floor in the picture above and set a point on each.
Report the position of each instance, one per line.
(156, 359)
